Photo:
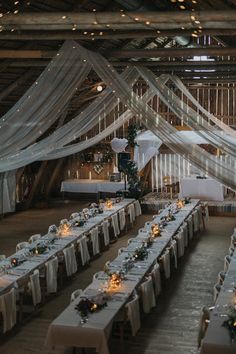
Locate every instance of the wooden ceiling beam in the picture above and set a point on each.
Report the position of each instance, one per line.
(173, 52)
(163, 63)
(119, 20)
(26, 54)
(118, 34)
(131, 53)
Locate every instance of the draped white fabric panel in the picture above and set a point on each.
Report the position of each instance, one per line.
(121, 89)
(7, 192)
(42, 104)
(176, 168)
(153, 121)
(189, 116)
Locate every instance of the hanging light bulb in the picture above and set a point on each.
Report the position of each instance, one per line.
(99, 88)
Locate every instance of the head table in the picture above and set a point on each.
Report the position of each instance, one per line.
(13, 277)
(68, 329)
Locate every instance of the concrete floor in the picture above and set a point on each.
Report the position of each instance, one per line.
(170, 328)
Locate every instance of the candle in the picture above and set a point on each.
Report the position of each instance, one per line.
(77, 174)
(69, 173)
(90, 175)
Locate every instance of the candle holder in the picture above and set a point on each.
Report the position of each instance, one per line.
(155, 230)
(109, 204)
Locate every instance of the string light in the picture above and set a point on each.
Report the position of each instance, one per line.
(182, 7)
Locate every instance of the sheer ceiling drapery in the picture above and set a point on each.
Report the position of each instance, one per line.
(121, 88)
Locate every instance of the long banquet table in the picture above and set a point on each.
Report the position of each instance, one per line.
(12, 277)
(67, 330)
(217, 339)
(202, 188)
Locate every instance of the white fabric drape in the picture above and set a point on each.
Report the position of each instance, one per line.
(189, 116)
(43, 102)
(7, 192)
(198, 156)
(146, 148)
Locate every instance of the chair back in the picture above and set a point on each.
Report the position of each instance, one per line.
(34, 238)
(70, 260)
(22, 245)
(51, 275)
(76, 293)
(137, 208)
(35, 288)
(115, 224)
(105, 231)
(122, 219)
(95, 240)
(133, 314)
(148, 296)
(83, 246)
(156, 278)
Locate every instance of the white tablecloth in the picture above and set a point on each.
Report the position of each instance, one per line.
(204, 189)
(15, 275)
(66, 329)
(91, 186)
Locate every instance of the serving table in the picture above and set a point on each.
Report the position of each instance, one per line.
(91, 186)
(67, 329)
(217, 339)
(201, 188)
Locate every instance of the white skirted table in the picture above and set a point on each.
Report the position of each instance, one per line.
(68, 330)
(16, 275)
(91, 186)
(202, 188)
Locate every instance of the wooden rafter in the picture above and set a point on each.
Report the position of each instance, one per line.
(119, 20)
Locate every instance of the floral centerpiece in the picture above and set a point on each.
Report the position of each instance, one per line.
(187, 200)
(140, 253)
(149, 242)
(170, 216)
(86, 306)
(39, 249)
(230, 323)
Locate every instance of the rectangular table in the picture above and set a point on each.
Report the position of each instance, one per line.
(203, 189)
(67, 330)
(217, 338)
(19, 273)
(91, 186)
